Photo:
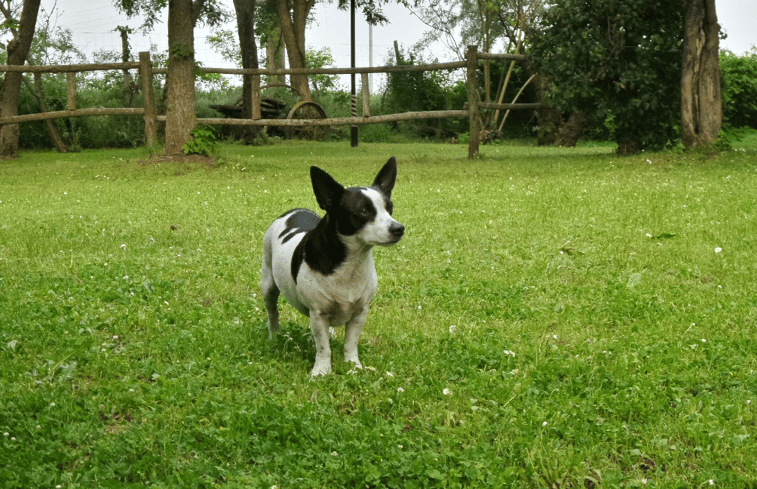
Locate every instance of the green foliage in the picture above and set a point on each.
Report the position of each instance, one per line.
(553, 318)
(321, 58)
(204, 142)
(619, 60)
(739, 86)
(424, 91)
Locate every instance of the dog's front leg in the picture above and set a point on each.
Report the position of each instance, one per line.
(319, 324)
(351, 335)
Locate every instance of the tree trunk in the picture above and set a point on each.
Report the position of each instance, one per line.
(570, 132)
(274, 53)
(125, 58)
(293, 25)
(245, 10)
(181, 116)
(18, 49)
(701, 96)
(548, 118)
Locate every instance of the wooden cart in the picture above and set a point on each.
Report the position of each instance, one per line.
(274, 108)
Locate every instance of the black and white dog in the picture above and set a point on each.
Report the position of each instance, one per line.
(324, 267)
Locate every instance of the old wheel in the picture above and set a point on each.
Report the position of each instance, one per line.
(306, 110)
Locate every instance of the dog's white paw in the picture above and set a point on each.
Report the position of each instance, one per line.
(356, 362)
(321, 367)
(352, 357)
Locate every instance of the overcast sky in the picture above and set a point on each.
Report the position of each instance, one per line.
(93, 29)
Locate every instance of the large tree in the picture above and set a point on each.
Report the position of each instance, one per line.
(616, 62)
(293, 17)
(701, 95)
(18, 50)
(245, 10)
(183, 16)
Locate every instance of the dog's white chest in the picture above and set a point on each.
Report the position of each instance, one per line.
(340, 295)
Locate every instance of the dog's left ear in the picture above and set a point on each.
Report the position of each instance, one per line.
(328, 192)
(387, 177)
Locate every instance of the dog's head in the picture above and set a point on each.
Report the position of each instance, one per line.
(362, 213)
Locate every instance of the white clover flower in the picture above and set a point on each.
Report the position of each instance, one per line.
(544, 424)
(123, 246)
(452, 328)
(400, 390)
(718, 249)
(447, 392)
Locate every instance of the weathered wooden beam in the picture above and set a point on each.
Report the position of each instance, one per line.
(337, 121)
(17, 119)
(474, 112)
(71, 85)
(150, 110)
(366, 90)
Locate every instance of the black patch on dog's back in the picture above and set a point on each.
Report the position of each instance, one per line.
(300, 221)
(321, 248)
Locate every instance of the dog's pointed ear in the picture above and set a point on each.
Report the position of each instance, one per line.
(387, 177)
(328, 192)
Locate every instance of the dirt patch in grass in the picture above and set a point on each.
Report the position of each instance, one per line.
(182, 164)
(183, 159)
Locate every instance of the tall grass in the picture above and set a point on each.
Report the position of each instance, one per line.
(553, 318)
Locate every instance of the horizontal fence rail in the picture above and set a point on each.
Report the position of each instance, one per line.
(471, 110)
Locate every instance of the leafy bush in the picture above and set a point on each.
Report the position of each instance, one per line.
(424, 91)
(739, 85)
(204, 142)
(620, 60)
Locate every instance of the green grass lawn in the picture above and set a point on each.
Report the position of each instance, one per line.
(552, 318)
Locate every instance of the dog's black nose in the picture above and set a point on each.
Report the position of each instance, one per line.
(397, 230)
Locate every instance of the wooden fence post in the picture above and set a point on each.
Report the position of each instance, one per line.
(145, 72)
(366, 94)
(255, 102)
(71, 83)
(474, 111)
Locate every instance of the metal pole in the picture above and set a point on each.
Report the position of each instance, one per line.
(352, 65)
(370, 56)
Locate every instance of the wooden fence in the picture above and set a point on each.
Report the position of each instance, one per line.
(471, 111)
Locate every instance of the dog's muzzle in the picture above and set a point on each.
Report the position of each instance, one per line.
(396, 231)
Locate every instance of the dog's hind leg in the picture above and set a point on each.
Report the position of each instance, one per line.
(352, 334)
(270, 290)
(271, 299)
